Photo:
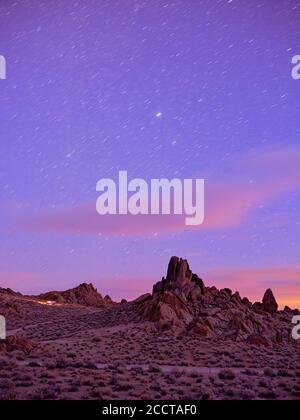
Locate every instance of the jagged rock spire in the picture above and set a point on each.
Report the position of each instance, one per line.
(269, 302)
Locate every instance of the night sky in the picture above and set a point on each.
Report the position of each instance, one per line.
(182, 88)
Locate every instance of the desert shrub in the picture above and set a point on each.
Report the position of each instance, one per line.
(227, 375)
(270, 373)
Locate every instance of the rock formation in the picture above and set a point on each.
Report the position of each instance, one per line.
(84, 294)
(183, 303)
(10, 304)
(269, 302)
(16, 343)
(181, 280)
(180, 302)
(174, 296)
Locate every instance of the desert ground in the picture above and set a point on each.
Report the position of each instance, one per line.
(145, 349)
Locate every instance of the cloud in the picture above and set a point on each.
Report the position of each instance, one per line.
(18, 280)
(251, 182)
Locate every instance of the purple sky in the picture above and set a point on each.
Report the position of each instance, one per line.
(85, 82)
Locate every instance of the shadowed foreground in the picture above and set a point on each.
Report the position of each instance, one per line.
(183, 341)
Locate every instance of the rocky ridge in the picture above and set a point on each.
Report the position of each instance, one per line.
(85, 295)
(182, 302)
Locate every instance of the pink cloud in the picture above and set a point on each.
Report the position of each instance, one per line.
(228, 204)
(18, 281)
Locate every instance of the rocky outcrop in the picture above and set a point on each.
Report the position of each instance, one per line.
(10, 304)
(16, 343)
(181, 301)
(181, 280)
(200, 326)
(9, 292)
(167, 307)
(173, 297)
(269, 302)
(290, 311)
(84, 294)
